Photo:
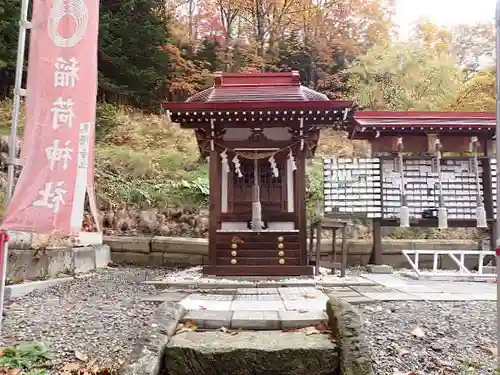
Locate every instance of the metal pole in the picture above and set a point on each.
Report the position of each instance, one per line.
(497, 153)
(18, 92)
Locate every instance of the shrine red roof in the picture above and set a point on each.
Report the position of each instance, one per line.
(269, 99)
(264, 87)
(370, 124)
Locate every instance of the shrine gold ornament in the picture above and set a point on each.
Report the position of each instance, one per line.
(280, 239)
(281, 246)
(281, 254)
(281, 261)
(234, 261)
(234, 246)
(233, 253)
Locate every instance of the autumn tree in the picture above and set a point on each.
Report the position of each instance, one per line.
(404, 76)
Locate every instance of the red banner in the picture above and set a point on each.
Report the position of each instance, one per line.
(60, 119)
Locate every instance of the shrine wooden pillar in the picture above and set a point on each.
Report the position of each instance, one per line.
(300, 186)
(215, 203)
(377, 249)
(489, 153)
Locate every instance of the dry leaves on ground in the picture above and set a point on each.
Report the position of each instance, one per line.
(10, 371)
(321, 328)
(229, 331)
(489, 348)
(307, 296)
(186, 326)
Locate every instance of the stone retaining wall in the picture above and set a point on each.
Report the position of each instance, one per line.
(49, 263)
(181, 251)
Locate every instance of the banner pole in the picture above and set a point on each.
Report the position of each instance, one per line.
(24, 25)
(497, 154)
(18, 92)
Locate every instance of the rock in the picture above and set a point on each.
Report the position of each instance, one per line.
(251, 352)
(379, 269)
(346, 324)
(418, 332)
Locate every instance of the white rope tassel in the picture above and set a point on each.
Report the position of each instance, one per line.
(292, 161)
(274, 169)
(225, 165)
(442, 218)
(404, 217)
(301, 133)
(237, 166)
(481, 217)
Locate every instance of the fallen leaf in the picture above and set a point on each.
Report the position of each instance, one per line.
(234, 333)
(302, 311)
(307, 296)
(202, 307)
(323, 328)
(69, 368)
(310, 331)
(81, 356)
(489, 349)
(418, 332)
(187, 326)
(13, 371)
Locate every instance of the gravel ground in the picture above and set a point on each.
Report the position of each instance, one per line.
(432, 338)
(100, 316)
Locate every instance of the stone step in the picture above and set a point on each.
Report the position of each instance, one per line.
(255, 320)
(251, 352)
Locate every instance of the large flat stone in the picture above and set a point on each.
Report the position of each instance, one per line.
(209, 319)
(255, 320)
(249, 353)
(257, 305)
(301, 319)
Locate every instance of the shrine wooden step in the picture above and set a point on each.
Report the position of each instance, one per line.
(259, 253)
(244, 270)
(254, 237)
(268, 261)
(250, 244)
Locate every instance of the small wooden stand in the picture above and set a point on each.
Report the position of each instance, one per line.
(333, 225)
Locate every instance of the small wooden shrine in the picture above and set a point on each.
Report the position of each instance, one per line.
(428, 169)
(257, 129)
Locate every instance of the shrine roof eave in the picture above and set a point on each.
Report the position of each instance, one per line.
(368, 125)
(238, 114)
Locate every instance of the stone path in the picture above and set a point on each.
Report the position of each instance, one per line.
(275, 305)
(257, 308)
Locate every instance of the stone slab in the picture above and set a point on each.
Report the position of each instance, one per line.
(392, 296)
(209, 297)
(209, 319)
(250, 352)
(257, 297)
(379, 269)
(358, 300)
(270, 290)
(308, 305)
(257, 305)
(19, 290)
(165, 297)
(390, 281)
(301, 319)
(300, 294)
(255, 320)
(194, 304)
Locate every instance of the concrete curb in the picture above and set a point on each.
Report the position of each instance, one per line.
(347, 327)
(19, 290)
(148, 356)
